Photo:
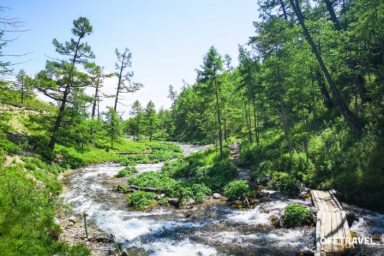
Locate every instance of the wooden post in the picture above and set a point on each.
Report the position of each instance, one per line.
(85, 224)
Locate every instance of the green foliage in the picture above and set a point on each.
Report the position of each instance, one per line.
(141, 200)
(153, 152)
(203, 167)
(296, 215)
(199, 192)
(113, 125)
(284, 182)
(179, 189)
(152, 179)
(71, 157)
(26, 216)
(127, 171)
(237, 189)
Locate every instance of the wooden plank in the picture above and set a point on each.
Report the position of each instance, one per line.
(332, 231)
(318, 233)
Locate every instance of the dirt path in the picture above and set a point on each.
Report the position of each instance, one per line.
(235, 155)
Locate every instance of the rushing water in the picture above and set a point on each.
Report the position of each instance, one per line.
(213, 229)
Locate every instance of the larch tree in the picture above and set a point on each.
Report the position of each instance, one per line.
(97, 76)
(249, 69)
(349, 116)
(150, 119)
(137, 113)
(124, 75)
(61, 78)
(23, 84)
(113, 125)
(209, 77)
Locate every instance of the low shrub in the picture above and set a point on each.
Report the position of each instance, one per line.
(237, 190)
(27, 217)
(200, 192)
(141, 200)
(284, 182)
(126, 171)
(152, 179)
(296, 215)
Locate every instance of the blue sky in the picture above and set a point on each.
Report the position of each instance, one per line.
(168, 38)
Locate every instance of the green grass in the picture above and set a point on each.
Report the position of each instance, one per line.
(143, 152)
(204, 168)
(26, 215)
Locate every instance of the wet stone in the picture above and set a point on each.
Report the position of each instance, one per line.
(216, 196)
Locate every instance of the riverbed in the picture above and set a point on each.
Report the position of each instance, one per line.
(210, 229)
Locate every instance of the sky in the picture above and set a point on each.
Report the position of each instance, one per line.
(167, 38)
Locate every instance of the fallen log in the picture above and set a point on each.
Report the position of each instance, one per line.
(147, 189)
(145, 152)
(133, 188)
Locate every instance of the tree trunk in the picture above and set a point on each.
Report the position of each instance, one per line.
(119, 83)
(359, 79)
(219, 123)
(285, 126)
(351, 119)
(248, 121)
(59, 118)
(95, 98)
(225, 129)
(22, 92)
(67, 90)
(332, 14)
(257, 137)
(284, 9)
(328, 102)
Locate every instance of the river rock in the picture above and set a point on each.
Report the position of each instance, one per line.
(72, 220)
(190, 202)
(216, 196)
(158, 197)
(351, 217)
(102, 239)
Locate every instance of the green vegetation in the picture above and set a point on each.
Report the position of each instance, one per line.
(154, 152)
(236, 190)
(181, 190)
(305, 105)
(205, 168)
(305, 100)
(127, 171)
(26, 214)
(296, 215)
(141, 200)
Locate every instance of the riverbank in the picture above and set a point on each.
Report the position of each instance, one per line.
(71, 220)
(210, 228)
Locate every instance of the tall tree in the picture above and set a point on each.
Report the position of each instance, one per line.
(23, 84)
(65, 72)
(137, 112)
(150, 119)
(172, 94)
(124, 82)
(97, 77)
(209, 76)
(249, 69)
(351, 119)
(113, 125)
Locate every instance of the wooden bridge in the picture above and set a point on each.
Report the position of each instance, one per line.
(332, 231)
